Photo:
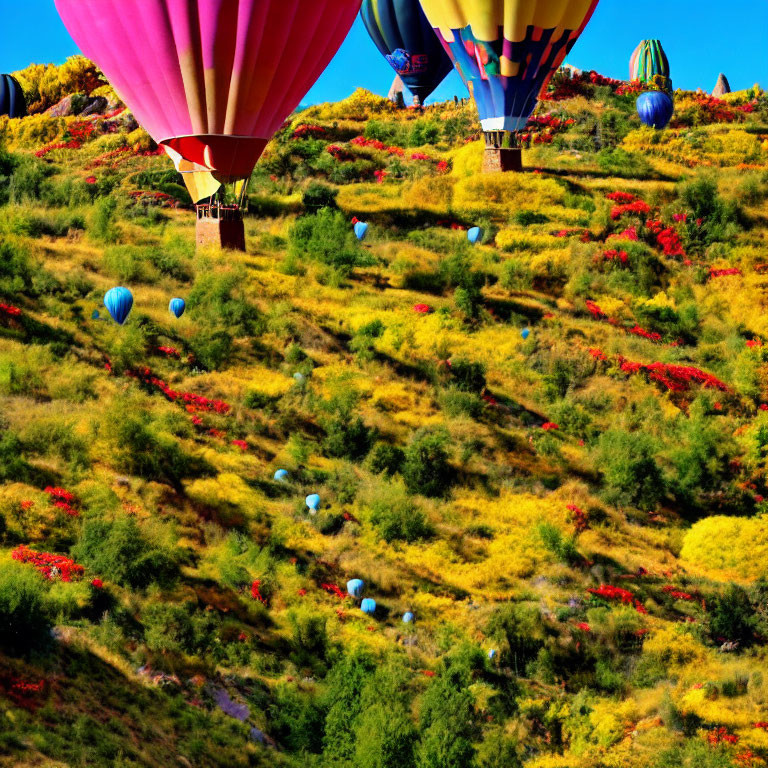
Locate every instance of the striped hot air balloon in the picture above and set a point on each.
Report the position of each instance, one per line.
(506, 51)
(649, 61)
(211, 81)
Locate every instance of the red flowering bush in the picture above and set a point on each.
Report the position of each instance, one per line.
(169, 351)
(721, 735)
(241, 444)
(308, 132)
(584, 627)
(595, 310)
(62, 500)
(674, 378)
(380, 176)
(637, 208)
(614, 255)
(333, 589)
(422, 309)
(579, 518)
(715, 273)
(51, 566)
(550, 426)
(9, 311)
(192, 403)
(650, 335)
(256, 593)
(608, 592)
(622, 198)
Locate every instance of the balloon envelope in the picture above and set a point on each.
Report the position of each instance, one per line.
(298, 377)
(647, 61)
(355, 587)
(361, 230)
(492, 654)
(12, 102)
(118, 302)
(475, 235)
(526, 332)
(95, 314)
(401, 32)
(655, 109)
(210, 80)
(177, 307)
(506, 51)
(313, 501)
(281, 475)
(368, 606)
(407, 617)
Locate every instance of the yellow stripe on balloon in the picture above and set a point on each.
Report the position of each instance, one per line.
(515, 16)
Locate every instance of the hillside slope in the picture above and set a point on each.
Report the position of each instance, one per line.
(548, 449)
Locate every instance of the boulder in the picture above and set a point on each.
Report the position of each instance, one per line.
(67, 107)
(722, 87)
(396, 92)
(96, 105)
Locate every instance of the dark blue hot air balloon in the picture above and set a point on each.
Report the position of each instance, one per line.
(12, 102)
(406, 39)
(655, 109)
(118, 302)
(177, 307)
(525, 333)
(355, 588)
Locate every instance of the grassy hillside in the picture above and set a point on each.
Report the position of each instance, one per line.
(575, 517)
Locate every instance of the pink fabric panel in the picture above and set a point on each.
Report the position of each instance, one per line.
(206, 67)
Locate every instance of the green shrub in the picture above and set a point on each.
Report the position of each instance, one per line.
(399, 520)
(120, 551)
(732, 618)
(317, 196)
(103, 225)
(217, 299)
(562, 547)
(386, 458)
(25, 620)
(327, 237)
(426, 469)
(630, 472)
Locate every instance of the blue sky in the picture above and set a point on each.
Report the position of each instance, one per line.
(701, 37)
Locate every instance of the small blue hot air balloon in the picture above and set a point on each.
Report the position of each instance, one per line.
(281, 475)
(95, 315)
(655, 109)
(525, 333)
(475, 235)
(355, 588)
(408, 618)
(177, 307)
(368, 606)
(118, 302)
(361, 230)
(299, 377)
(313, 502)
(492, 654)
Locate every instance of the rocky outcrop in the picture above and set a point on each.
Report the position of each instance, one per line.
(722, 87)
(78, 104)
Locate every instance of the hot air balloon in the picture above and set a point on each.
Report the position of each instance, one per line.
(408, 617)
(298, 377)
(355, 588)
(525, 333)
(649, 61)
(492, 654)
(281, 475)
(211, 81)
(361, 230)
(313, 502)
(12, 102)
(506, 51)
(655, 109)
(368, 606)
(475, 235)
(177, 307)
(401, 32)
(118, 302)
(95, 315)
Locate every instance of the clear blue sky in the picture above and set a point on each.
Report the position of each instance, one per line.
(701, 37)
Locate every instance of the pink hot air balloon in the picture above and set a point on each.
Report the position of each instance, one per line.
(210, 80)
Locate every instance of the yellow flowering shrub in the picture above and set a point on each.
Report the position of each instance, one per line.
(746, 553)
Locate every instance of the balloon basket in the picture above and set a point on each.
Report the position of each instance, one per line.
(220, 227)
(502, 160)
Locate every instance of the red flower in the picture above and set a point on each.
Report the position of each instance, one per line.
(584, 627)
(49, 565)
(241, 444)
(549, 426)
(97, 583)
(422, 309)
(334, 590)
(302, 592)
(639, 208)
(255, 593)
(427, 673)
(90, 180)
